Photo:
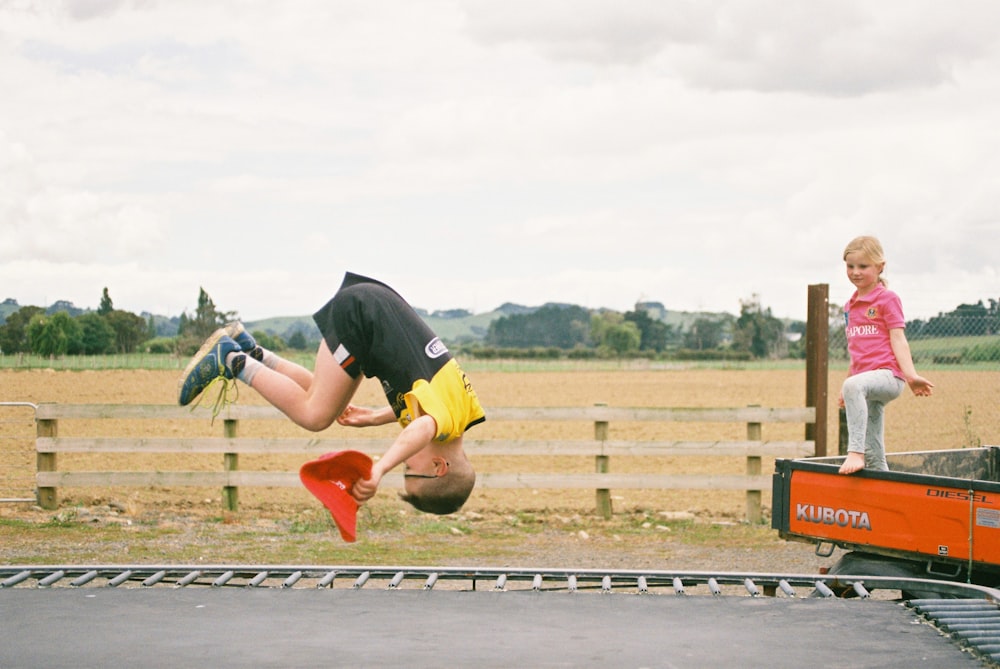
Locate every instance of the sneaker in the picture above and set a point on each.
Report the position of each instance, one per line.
(244, 339)
(207, 365)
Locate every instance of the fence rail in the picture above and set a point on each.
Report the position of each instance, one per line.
(50, 478)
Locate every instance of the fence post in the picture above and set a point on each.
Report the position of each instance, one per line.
(601, 466)
(817, 363)
(46, 462)
(231, 463)
(753, 469)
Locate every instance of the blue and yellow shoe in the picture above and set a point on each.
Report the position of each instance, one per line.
(244, 339)
(208, 366)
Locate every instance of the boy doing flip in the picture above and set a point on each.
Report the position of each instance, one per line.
(367, 330)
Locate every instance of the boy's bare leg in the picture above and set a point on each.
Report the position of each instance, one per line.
(854, 462)
(312, 400)
(296, 372)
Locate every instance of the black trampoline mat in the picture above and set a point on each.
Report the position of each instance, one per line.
(272, 627)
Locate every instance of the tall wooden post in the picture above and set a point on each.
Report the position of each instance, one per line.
(817, 363)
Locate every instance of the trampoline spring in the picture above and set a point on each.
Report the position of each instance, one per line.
(713, 586)
(991, 649)
(988, 642)
(292, 579)
(501, 582)
(950, 622)
(823, 589)
(258, 579)
(431, 580)
(751, 587)
(971, 614)
(786, 588)
(930, 607)
(935, 606)
(950, 603)
(396, 580)
(606, 584)
(120, 578)
(962, 629)
(16, 578)
(84, 579)
(678, 586)
(571, 583)
(361, 580)
(860, 590)
(536, 582)
(642, 585)
(54, 577)
(154, 578)
(189, 579)
(223, 579)
(326, 580)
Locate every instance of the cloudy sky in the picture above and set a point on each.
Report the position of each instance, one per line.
(476, 152)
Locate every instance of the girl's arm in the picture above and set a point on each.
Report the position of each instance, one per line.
(901, 349)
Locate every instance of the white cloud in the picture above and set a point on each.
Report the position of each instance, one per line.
(474, 153)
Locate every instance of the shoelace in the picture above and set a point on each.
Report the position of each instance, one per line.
(222, 397)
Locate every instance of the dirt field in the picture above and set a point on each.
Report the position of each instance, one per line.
(961, 412)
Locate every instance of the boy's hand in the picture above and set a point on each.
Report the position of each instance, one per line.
(364, 490)
(355, 416)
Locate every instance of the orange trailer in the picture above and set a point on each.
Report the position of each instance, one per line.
(934, 514)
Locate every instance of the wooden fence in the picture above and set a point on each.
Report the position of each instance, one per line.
(49, 478)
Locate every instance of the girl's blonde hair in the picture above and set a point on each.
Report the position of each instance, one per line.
(870, 248)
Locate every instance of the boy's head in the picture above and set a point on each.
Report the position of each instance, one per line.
(445, 485)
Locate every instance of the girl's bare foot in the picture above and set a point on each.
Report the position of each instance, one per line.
(854, 462)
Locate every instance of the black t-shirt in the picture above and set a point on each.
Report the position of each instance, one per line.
(371, 330)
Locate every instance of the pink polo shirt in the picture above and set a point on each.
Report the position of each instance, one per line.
(869, 320)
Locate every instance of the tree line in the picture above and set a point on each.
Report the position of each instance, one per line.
(755, 334)
(55, 332)
(32, 329)
(550, 331)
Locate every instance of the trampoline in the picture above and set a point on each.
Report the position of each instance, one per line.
(330, 616)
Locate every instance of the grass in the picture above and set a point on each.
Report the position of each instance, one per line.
(925, 351)
(160, 361)
(385, 536)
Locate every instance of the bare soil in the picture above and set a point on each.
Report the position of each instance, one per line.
(676, 529)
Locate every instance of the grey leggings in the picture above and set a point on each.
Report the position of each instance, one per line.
(865, 397)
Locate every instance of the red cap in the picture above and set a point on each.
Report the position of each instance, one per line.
(330, 478)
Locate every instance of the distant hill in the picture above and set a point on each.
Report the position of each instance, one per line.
(455, 326)
(10, 305)
(459, 326)
(7, 307)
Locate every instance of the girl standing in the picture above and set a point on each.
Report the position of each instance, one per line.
(881, 363)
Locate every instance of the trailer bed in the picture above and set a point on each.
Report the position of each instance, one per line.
(939, 508)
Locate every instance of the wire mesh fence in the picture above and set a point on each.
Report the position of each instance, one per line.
(959, 352)
(966, 338)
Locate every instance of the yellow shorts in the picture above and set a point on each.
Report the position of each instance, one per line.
(448, 398)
